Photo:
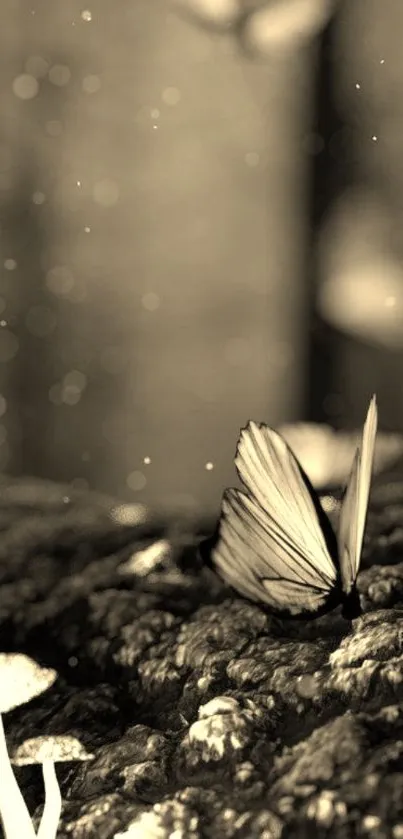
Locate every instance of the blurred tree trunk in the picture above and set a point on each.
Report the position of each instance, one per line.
(362, 252)
(167, 249)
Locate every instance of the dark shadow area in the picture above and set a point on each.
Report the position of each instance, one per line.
(331, 174)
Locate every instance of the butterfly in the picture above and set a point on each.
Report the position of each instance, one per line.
(275, 544)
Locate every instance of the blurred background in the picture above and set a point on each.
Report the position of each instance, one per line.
(201, 208)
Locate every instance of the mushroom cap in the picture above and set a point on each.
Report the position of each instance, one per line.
(55, 747)
(21, 679)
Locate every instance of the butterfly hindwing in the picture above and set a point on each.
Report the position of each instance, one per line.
(271, 546)
(355, 503)
(260, 563)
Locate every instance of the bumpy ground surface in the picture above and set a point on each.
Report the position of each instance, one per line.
(206, 717)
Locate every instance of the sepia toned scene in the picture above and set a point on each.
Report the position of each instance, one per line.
(201, 419)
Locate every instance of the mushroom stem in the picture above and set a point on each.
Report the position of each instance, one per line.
(53, 802)
(14, 812)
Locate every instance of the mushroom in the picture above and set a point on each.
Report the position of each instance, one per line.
(13, 810)
(22, 679)
(48, 750)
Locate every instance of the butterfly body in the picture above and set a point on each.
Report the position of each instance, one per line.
(275, 544)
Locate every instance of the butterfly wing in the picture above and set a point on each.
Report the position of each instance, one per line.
(353, 512)
(270, 545)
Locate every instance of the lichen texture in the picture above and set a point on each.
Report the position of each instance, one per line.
(204, 716)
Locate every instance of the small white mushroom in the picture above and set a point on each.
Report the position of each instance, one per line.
(48, 750)
(13, 810)
(22, 679)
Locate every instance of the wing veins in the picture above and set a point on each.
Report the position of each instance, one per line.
(239, 516)
(280, 466)
(275, 531)
(269, 494)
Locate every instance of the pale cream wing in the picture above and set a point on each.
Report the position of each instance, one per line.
(272, 475)
(353, 512)
(257, 557)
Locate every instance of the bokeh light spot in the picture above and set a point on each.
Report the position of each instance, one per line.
(91, 84)
(150, 301)
(70, 390)
(252, 158)
(106, 193)
(136, 480)
(36, 66)
(60, 280)
(25, 86)
(59, 75)
(38, 198)
(129, 514)
(75, 378)
(70, 395)
(171, 96)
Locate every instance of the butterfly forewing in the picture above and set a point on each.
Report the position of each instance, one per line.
(355, 503)
(273, 477)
